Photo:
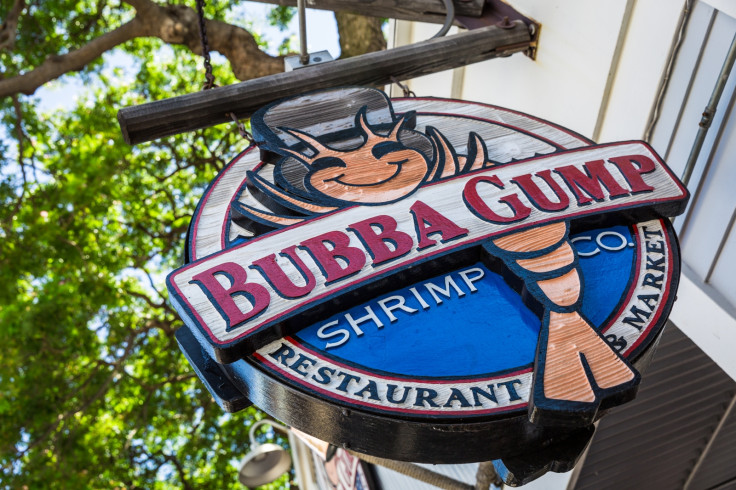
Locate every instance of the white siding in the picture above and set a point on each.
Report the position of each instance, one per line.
(567, 82)
(706, 231)
(643, 59)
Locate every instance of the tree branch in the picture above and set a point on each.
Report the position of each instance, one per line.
(21, 162)
(153, 286)
(173, 24)
(145, 298)
(179, 24)
(9, 27)
(359, 34)
(240, 48)
(55, 66)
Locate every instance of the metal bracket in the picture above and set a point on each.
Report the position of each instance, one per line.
(294, 62)
(501, 14)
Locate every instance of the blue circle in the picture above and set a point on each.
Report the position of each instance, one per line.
(455, 331)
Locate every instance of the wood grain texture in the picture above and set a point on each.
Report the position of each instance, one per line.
(563, 290)
(576, 370)
(394, 437)
(658, 267)
(570, 335)
(503, 143)
(560, 257)
(368, 174)
(197, 308)
(315, 393)
(474, 397)
(570, 396)
(198, 110)
(330, 115)
(431, 440)
(417, 10)
(533, 239)
(423, 440)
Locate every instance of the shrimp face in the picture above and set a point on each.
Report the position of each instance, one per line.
(379, 171)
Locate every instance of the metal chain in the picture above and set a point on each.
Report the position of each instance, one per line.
(241, 127)
(209, 77)
(404, 88)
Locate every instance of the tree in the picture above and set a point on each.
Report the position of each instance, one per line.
(94, 392)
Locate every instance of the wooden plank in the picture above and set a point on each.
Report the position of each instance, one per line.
(200, 308)
(417, 10)
(203, 109)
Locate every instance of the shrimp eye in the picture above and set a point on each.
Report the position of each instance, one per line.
(386, 147)
(327, 162)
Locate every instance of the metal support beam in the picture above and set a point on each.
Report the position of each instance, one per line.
(302, 12)
(206, 108)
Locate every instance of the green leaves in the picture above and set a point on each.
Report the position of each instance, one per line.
(280, 16)
(94, 392)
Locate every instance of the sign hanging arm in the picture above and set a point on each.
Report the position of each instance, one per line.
(176, 115)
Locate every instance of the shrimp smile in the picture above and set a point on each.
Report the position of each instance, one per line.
(396, 172)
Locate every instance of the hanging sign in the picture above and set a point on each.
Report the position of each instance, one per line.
(431, 280)
(335, 467)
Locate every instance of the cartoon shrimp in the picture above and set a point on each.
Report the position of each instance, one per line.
(575, 367)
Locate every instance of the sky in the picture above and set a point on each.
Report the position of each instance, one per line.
(321, 35)
(63, 93)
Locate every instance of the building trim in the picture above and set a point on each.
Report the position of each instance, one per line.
(710, 323)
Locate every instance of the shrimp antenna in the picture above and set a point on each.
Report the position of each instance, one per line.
(306, 139)
(360, 120)
(299, 156)
(397, 127)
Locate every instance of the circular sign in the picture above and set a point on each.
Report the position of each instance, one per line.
(437, 350)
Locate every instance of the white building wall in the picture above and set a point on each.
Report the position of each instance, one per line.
(598, 71)
(567, 82)
(644, 53)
